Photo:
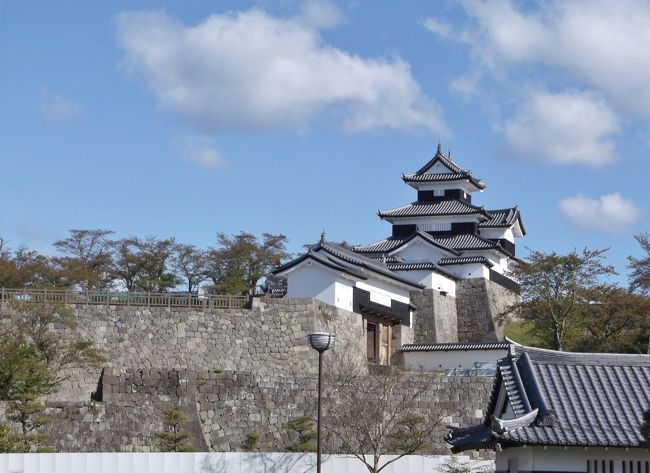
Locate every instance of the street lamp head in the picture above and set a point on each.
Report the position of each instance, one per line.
(321, 341)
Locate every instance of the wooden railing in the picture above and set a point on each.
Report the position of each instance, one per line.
(144, 299)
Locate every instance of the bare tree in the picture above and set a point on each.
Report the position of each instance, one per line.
(370, 416)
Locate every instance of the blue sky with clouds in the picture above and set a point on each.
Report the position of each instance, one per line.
(190, 118)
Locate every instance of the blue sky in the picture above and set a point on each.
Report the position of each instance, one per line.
(190, 118)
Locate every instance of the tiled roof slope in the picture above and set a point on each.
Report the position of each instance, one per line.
(444, 160)
(575, 399)
(453, 243)
(342, 259)
(433, 209)
(443, 177)
(465, 260)
(454, 346)
(503, 218)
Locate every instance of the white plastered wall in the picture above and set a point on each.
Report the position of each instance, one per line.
(382, 292)
(432, 280)
(443, 360)
(469, 271)
(417, 251)
(311, 279)
(567, 459)
(497, 233)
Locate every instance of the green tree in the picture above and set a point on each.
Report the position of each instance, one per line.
(242, 260)
(556, 291)
(10, 442)
(191, 264)
(304, 428)
(174, 438)
(86, 257)
(33, 356)
(640, 274)
(144, 264)
(27, 268)
(24, 380)
(614, 321)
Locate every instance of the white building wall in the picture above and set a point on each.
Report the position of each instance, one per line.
(497, 233)
(431, 280)
(382, 291)
(343, 294)
(468, 271)
(312, 280)
(202, 462)
(432, 186)
(438, 219)
(569, 459)
(418, 251)
(444, 360)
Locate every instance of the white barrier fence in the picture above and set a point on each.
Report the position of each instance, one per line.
(210, 463)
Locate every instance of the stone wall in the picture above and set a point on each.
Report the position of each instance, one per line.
(270, 338)
(478, 303)
(435, 318)
(224, 407)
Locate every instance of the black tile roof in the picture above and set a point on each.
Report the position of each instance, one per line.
(465, 260)
(433, 209)
(389, 244)
(443, 177)
(430, 266)
(503, 218)
(454, 244)
(454, 346)
(444, 160)
(566, 399)
(342, 259)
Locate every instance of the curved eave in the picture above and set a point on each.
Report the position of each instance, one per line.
(413, 181)
(287, 267)
(500, 426)
(385, 216)
(427, 239)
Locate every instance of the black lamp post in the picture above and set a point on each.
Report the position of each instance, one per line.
(321, 342)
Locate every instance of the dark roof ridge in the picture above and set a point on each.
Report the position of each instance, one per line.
(364, 261)
(546, 415)
(439, 156)
(439, 203)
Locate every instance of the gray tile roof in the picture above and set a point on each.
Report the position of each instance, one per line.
(427, 266)
(465, 260)
(432, 209)
(347, 261)
(455, 244)
(444, 160)
(454, 346)
(442, 177)
(503, 218)
(582, 399)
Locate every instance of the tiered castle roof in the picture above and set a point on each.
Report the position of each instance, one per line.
(444, 217)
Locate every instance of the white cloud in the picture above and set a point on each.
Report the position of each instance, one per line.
(251, 71)
(199, 150)
(564, 128)
(610, 213)
(602, 43)
(320, 14)
(56, 109)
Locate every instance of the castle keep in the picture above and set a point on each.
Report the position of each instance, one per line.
(441, 276)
